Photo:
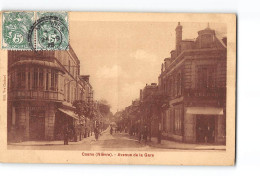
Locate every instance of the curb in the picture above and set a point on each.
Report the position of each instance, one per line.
(156, 146)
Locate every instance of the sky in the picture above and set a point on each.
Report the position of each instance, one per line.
(122, 57)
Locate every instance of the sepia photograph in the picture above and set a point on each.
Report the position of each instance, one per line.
(120, 86)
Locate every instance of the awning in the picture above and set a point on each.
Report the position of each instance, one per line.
(204, 110)
(69, 113)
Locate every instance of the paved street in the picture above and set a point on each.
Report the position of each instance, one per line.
(108, 142)
(118, 141)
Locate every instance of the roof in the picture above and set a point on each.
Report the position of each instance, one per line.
(71, 51)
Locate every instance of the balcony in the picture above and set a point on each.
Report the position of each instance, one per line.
(35, 95)
(205, 93)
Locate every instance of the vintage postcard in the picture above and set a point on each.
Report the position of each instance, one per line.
(117, 88)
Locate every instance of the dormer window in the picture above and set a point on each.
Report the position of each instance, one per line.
(206, 41)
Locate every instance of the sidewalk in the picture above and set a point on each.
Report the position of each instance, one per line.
(184, 146)
(51, 143)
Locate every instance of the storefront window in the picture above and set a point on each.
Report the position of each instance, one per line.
(177, 121)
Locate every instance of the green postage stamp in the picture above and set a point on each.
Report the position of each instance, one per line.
(35, 31)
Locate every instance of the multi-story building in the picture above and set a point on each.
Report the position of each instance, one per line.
(194, 78)
(149, 114)
(42, 87)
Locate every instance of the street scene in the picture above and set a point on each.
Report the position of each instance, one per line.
(114, 142)
(122, 86)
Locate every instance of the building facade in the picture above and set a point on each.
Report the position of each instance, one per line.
(42, 86)
(194, 79)
(149, 112)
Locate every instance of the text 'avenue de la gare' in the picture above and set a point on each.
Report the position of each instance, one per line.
(102, 154)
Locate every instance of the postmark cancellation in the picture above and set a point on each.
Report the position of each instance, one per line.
(35, 31)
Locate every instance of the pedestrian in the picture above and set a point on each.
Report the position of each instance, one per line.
(66, 136)
(96, 133)
(139, 134)
(111, 130)
(145, 134)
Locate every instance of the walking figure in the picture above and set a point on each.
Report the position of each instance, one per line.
(145, 134)
(111, 130)
(96, 133)
(66, 136)
(139, 134)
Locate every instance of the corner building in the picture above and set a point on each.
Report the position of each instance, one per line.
(194, 78)
(42, 86)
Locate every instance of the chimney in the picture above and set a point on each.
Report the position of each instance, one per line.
(178, 38)
(167, 62)
(173, 54)
(141, 94)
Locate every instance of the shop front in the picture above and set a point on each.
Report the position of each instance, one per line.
(204, 125)
(65, 121)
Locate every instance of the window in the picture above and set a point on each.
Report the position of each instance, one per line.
(65, 90)
(12, 80)
(168, 120)
(41, 78)
(172, 120)
(179, 84)
(47, 81)
(206, 77)
(175, 86)
(29, 80)
(35, 78)
(169, 85)
(206, 41)
(69, 66)
(54, 80)
(178, 121)
(172, 86)
(21, 78)
(75, 94)
(18, 79)
(164, 121)
(68, 92)
(72, 71)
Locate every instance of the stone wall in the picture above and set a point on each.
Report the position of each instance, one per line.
(49, 122)
(189, 128)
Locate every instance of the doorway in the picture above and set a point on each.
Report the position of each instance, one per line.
(37, 125)
(205, 128)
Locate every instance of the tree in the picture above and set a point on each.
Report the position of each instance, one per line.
(160, 103)
(82, 109)
(152, 108)
(104, 107)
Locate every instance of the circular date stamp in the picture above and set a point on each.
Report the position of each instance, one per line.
(49, 33)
